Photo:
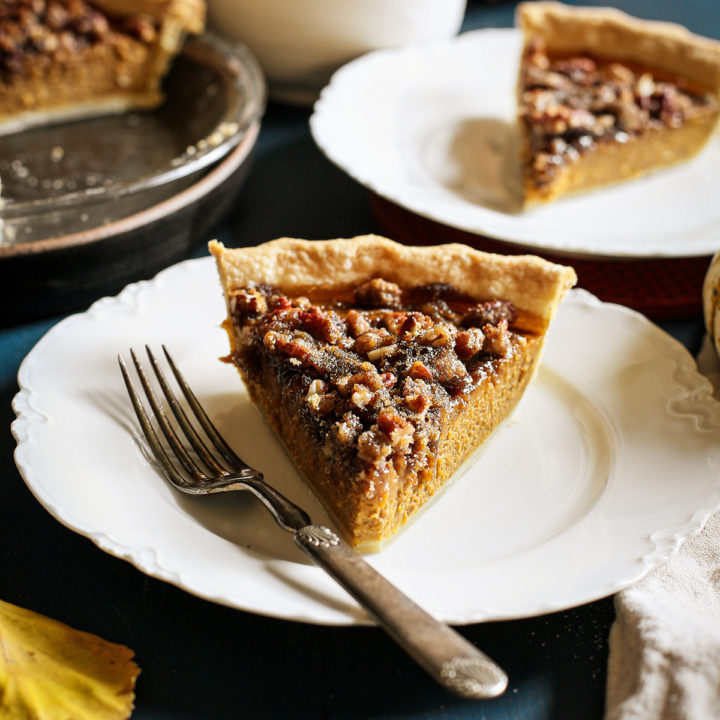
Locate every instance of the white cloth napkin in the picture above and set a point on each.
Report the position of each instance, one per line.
(664, 661)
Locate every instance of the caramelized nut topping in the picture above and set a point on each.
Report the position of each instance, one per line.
(378, 379)
(59, 28)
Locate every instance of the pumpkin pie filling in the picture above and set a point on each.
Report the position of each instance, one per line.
(380, 389)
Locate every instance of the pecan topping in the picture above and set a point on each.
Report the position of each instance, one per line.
(59, 28)
(377, 381)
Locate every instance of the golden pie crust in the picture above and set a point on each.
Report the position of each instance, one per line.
(407, 444)
(70, 72)
(661, 50)
(532, 284)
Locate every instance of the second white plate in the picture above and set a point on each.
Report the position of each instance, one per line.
(432, 128)
(610, 461)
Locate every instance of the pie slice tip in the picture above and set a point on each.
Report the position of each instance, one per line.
(383, 367)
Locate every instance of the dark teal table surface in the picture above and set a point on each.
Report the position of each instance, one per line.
(201, 660)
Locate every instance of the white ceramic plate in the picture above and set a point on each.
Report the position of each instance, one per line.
(432, 128)
(609, 462)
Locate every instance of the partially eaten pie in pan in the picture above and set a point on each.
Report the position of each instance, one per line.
(63, 59)
(604, 97)
(383, 367)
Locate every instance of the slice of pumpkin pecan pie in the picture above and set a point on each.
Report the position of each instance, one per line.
(383, 367)
(605, 97)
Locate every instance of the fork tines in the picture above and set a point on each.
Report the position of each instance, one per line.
(197, 468)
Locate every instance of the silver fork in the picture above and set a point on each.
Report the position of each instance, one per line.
(447, 656)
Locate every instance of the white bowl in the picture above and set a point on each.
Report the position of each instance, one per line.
(300, 43)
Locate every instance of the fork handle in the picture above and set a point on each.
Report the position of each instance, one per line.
(447, 656)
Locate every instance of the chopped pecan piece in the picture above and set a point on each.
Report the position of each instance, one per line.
(497, 338)
(357, 323)
(378, 293)
(469, 342)
(440, 335)
(288, 344)
(419, 371)
(247, 302)
(489, 313)
(382, 352)
(320, 399)
(372, 339)
(373, 447)
(343, 434)
(397, 428)
(449, 370)
(322, 325)
(362, 395)
(416, 394)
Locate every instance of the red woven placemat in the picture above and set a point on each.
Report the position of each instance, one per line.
(660, 288)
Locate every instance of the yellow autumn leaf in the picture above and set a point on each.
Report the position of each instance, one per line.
(49, 671)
